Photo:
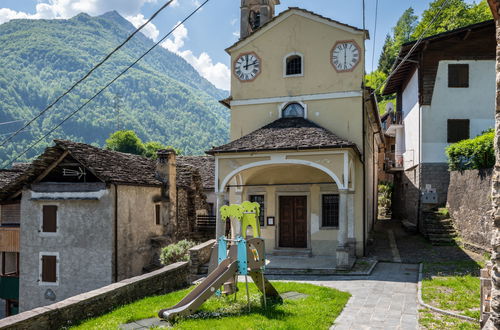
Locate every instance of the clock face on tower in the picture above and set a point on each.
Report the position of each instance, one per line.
(247, 66)
(345, 55)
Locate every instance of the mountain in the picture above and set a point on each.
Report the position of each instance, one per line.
(162, 98)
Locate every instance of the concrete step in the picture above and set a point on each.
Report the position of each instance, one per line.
(283, 252)
(449, 231)
(434, 236)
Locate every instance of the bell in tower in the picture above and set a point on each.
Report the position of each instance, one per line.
(254, 14)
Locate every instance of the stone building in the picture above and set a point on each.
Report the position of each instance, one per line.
(445, 93)
(304, 133)
(90, 217)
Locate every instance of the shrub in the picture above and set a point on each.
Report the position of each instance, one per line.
(176, 252)
(385, 197)
(477, 153)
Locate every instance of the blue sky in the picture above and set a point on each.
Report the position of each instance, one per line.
(203, 39)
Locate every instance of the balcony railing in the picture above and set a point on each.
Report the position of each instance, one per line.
(393, 162)
(9, 238)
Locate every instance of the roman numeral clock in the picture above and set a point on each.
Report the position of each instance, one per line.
(247, 67)
(345, 55)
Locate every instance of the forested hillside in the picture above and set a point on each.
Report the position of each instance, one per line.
(162, 98)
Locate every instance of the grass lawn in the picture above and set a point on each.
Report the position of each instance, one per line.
(452, 286)
(316, 311)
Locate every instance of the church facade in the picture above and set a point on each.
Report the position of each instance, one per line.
(305, 133)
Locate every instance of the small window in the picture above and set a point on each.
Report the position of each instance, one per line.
(293, 110)
(330, 210)
(157, 214)
(211, 209)
(293, 65)
(393, 148)
(458, 75)
(49, 269)
(259, 199)
(458, 130)
(49, 221)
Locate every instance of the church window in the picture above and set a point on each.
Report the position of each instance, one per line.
(294, 65)
(293, 110)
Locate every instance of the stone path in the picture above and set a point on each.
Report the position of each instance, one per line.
(387, 299)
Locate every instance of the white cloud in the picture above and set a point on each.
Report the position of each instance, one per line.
(149, 30)
(175, 3)
(236, 34)
(233, 21)
(218, 73)
(70, 8)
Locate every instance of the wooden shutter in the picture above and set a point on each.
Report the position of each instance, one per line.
(49, 269)
(458, 75)
(458, 130)
(49, 224)
(157, 214)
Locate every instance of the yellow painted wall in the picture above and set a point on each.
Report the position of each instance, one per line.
(315, 41)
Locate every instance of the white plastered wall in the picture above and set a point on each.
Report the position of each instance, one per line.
(475, 103)
(411, 109)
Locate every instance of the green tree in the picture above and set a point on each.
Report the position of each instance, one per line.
(125, 141)
(152, 147)
(456, 14)
(401, 33)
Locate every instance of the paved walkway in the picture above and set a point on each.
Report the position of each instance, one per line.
(387, 299)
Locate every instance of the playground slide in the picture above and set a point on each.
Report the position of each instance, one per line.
(224, 271)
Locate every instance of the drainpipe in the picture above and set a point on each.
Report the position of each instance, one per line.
(364, 172)
(116, 233)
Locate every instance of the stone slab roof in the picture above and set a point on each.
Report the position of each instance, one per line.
(107, 165)
(286, 134)
(205, 166)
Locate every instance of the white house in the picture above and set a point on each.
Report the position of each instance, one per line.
(445, 93)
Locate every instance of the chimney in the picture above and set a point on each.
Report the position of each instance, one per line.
(166, 165)
(166, 172)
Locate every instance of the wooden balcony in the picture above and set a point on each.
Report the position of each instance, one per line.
(9, 239)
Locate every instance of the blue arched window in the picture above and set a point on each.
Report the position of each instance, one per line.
(293, 110)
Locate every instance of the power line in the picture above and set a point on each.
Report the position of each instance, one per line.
(419, 40)
(108, 84)
(87, 74)
(375, 33)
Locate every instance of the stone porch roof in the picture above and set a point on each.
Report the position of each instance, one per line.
(286, 134)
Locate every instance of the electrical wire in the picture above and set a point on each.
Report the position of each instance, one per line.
(417, 43)
(87, 74)
(108, 84)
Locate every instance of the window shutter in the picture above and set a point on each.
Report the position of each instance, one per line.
(458, 130)
(458, 75)
(49, 224)
(49, 267)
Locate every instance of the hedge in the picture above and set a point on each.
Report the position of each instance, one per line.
(477, 153)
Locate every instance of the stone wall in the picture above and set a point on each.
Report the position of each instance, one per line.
(406, 195)
(200, 255)
(469, 203)
(83, 242)
(94, 303)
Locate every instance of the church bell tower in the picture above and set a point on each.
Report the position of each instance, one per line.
(254, 14)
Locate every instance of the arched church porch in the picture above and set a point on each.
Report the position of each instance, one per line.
(308, 199)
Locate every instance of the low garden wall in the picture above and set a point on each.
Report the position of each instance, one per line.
(469, 204)
(97, 302)
(200, 255)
